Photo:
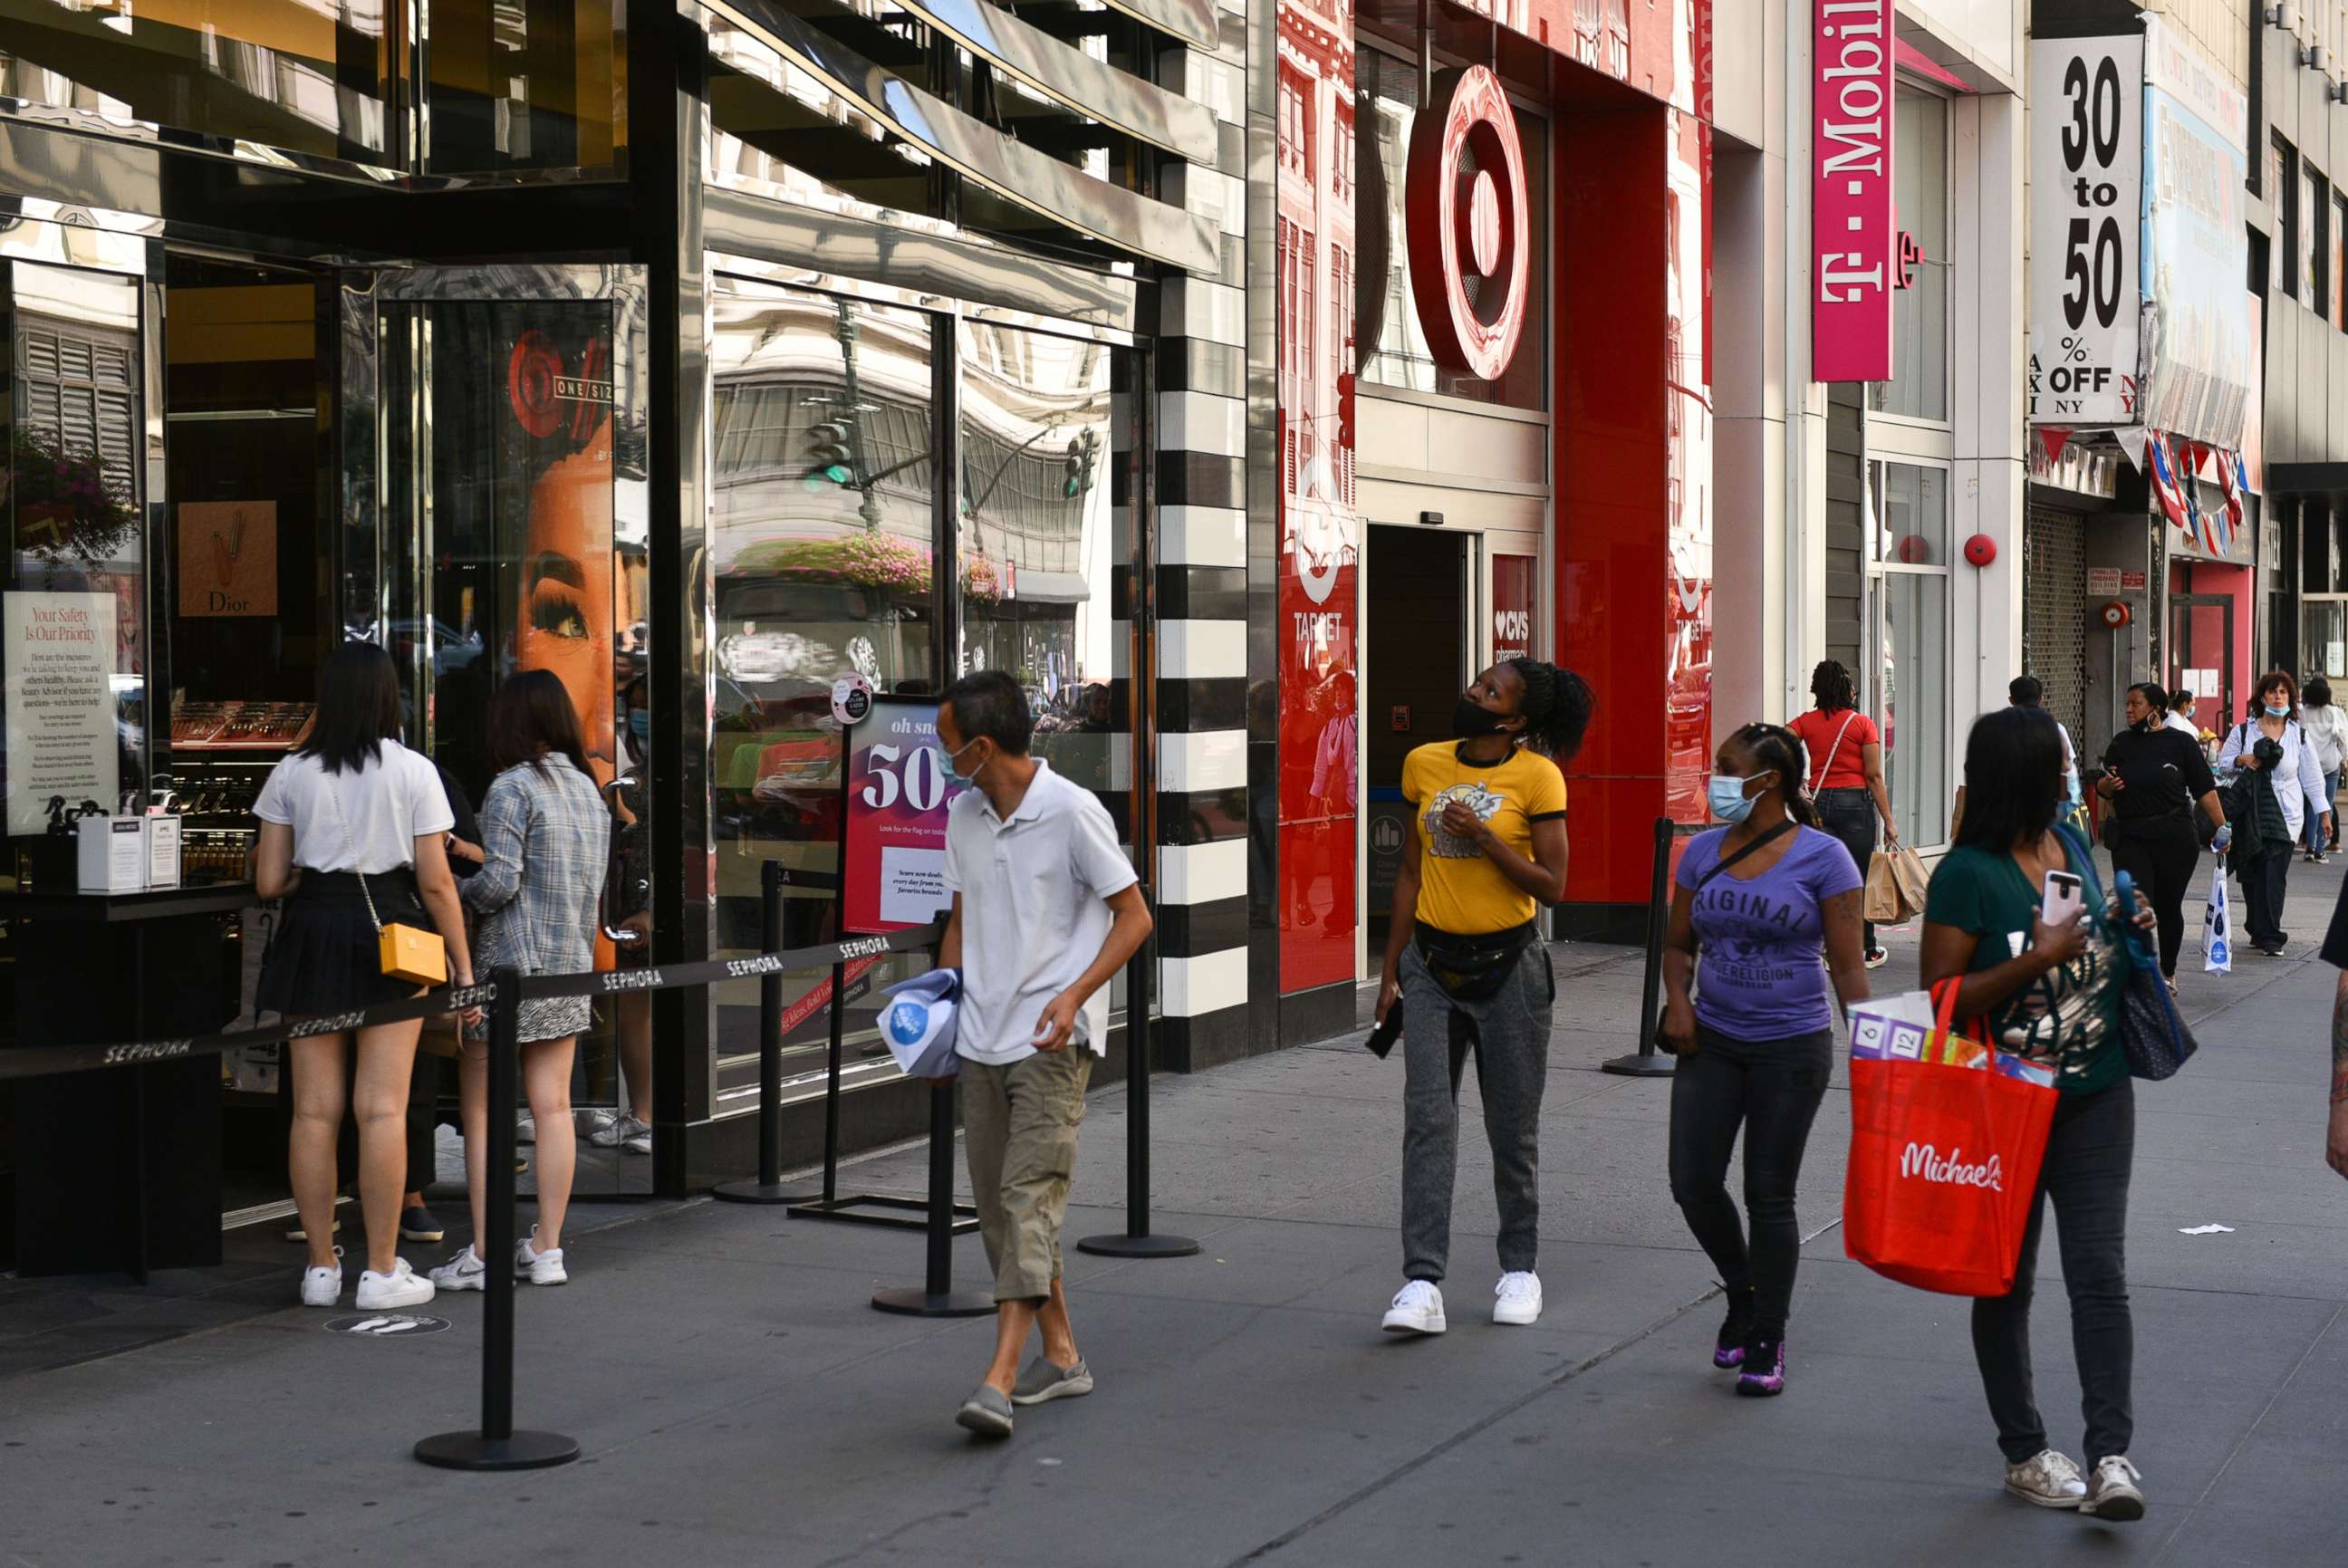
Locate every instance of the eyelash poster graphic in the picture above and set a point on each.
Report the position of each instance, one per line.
(558, 434)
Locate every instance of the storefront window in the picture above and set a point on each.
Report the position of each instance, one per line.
(823, 485)
(1919, 387)
(1399, 356)
(1908, 626)
(1035, 536)
(75, 696)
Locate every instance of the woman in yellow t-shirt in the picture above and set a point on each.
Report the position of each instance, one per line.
(1463, 962)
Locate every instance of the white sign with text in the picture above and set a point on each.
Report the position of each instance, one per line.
(60, 705)
(2086, 193)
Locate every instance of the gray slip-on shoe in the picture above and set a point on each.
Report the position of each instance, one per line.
(1046, 1379)
(986, 1412)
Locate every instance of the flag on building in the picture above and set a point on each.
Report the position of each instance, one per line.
(2162, 468)
(2233, 480)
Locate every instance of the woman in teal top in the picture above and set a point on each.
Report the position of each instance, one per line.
(2052, 994)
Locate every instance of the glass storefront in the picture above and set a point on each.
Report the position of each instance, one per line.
(1908, 634)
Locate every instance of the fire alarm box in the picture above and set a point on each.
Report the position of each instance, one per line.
(2115, 613)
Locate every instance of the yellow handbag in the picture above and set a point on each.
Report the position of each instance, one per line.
(418, 957)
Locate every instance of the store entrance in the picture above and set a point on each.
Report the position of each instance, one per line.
(2201, 655)
(1418, 654)
(511, 536)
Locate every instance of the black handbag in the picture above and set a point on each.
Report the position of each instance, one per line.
(1472, 968)
(2153, 1033)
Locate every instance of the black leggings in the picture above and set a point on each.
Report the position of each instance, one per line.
(1771, 1088)
(2161, 857)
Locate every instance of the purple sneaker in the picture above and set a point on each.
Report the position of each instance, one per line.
(1728, 1345)
(1765, 1368)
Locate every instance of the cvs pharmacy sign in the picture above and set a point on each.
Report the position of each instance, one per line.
(1854, 244)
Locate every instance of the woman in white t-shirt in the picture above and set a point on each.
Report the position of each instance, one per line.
(354, 829)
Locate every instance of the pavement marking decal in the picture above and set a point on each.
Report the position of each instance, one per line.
(387, 1326)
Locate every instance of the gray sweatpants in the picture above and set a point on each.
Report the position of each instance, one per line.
(1509, 1032)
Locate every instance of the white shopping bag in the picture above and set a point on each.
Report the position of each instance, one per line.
(919, 1024)
(2217, 927)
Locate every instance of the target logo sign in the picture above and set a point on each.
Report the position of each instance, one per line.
(1471, 257)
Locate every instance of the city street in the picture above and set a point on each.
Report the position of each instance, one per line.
(739, 1402)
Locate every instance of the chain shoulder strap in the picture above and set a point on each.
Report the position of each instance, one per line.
(350, 847)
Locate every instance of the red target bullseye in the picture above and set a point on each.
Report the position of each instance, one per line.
(1466, 210)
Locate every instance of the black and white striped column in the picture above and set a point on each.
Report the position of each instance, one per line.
(1202, 585)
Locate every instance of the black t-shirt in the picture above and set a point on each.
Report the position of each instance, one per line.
(2165, 773)
(468, 828)
(2335, 941)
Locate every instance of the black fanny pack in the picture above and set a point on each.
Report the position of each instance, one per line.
(1471, 968)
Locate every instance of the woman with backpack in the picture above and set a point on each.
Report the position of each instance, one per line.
(1758, 902)
(1845, 775)
(1465, 964)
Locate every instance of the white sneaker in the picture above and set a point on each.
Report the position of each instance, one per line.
(537, 1267)
(2049, 1479)
(1417, 1309)
(525, 1128)
(622, 1131)
(403, 1286)
(1519, 1298)
(465, 1271)
(322, 1288)
(2114, 1494)
(593, 1120)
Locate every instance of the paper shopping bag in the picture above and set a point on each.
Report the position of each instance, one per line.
(1908, 873)
(1880, 903)
(1944, 1159)
(2217, 927)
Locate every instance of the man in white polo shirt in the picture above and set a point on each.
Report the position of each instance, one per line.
(1046, 910)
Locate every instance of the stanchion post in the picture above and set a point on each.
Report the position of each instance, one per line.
(937, 1297)
(496, 1446)
(1646, 1061)
(1136, 1240)
(767, 1187)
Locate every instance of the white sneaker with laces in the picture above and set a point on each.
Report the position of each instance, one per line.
(593, 1120)
(2048, 1478)
(1878, 959)
(1519, 1297)
(525, 1128)
(322, 1288)
(537, 1267)
(622, 1130)
(465, 1271)
(403, 1286)
(2113, 1494)
(1417, 1309)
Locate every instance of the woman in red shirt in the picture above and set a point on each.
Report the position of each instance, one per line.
(1846, 763)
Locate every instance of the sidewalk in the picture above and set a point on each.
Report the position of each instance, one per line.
(739, 1401)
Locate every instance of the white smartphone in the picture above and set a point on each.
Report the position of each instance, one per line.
(2063, 898)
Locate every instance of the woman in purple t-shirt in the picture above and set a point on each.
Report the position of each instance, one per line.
(1758, 902)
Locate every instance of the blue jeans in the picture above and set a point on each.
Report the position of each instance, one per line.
(2311, 833)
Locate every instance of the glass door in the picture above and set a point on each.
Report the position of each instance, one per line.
(511, 537)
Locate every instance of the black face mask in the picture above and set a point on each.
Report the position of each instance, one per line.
(1471, 720)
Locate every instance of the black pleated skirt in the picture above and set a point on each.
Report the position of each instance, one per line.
(325, 958)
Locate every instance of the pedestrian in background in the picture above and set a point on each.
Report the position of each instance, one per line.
(1845, 775)
(2270, 754)
(545, 839)
(2335, 953)
(2152, 778)
(1046, 910)
(2180, 715)
(2327, 731)
(1465, 963)
(2050, 993)
(354, 831)
(1758, 903)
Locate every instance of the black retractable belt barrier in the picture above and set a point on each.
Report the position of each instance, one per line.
(1136, 1240)
(1646, 1061)
(767, 1187)
(496, 1446)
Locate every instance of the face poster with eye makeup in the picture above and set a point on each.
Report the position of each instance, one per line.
(572, 607)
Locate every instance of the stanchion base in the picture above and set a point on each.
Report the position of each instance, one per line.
(914, 1301)
(1655, 1065)
(751, 1190)
(472, 1451)
(1118, 1245)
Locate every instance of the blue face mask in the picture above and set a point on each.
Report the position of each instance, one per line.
(1727, 799)
(2274, 712)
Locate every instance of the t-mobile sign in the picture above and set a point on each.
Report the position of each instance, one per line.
(1853, 239)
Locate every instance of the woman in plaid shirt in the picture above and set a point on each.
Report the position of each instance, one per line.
(546, 838)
